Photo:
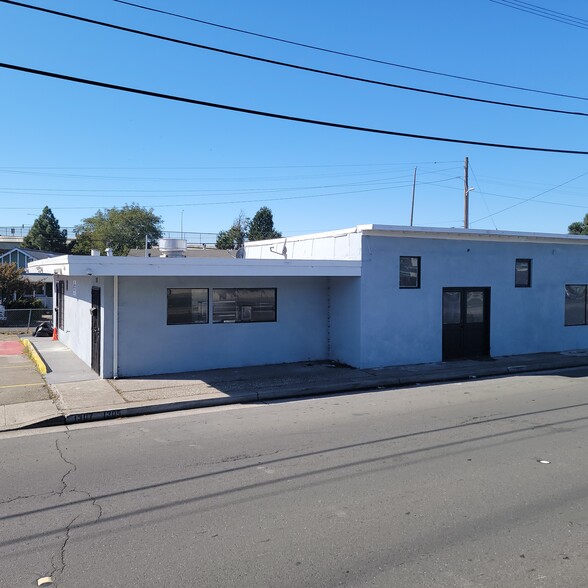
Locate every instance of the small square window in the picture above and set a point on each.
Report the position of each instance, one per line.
(523, 273)
(186, 306)
(410, 272)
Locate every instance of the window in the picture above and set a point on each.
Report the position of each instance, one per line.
(60, 308)
(523, 273)
(244, 305)
(410, 272)
(187, 306)
(575, 310)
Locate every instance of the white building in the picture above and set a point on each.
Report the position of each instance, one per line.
(368, 296)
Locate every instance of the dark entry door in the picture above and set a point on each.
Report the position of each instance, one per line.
(95, 310)
(466, 323)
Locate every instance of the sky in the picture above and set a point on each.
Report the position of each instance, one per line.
(78, 148)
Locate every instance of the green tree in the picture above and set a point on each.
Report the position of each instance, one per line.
(118, 228)
(11, 282)
(234, 237)
(579, 228)
(262, 226)
(45, 234)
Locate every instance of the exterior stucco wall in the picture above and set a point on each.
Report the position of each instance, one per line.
(403, 326)
(77, 319)
(345, 320)
(147, 345)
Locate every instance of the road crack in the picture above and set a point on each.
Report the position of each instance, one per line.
(57, 570)
(14, 498)
(58, 561)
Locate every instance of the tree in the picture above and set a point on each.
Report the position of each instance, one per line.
(45, 234)
(262, 226)
(118, 228)
(258, 229)
(11, 281)
(579, 228)
(235, 236)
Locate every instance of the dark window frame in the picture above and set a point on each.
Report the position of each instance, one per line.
(529, 263)
(576, 324)
(239, 308)
(418, 276)
(187, 311)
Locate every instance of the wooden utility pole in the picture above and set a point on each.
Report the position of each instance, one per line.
(413, 189)
(466, 196)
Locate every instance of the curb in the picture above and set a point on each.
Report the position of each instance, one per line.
(372, 383)
(32, 352)
(147, 409)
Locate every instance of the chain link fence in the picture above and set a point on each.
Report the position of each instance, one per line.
(24, 318)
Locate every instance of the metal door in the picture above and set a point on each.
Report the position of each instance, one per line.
(96, 338)
(466, 323)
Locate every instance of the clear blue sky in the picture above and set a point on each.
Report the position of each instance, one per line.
(78, 149)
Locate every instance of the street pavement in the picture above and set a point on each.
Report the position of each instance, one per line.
(79, 395)
(473, 484)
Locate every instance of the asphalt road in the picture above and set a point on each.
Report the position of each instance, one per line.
(432, 486)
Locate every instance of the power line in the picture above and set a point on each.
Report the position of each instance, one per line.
(74, 193)
(187, 204)
(192, 180)
(274, 115)
(544, 13)
(481, 192)
(297, 67)
(533, 197)
(386, 164)
(352, 55)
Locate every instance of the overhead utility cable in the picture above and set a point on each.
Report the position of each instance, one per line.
(481, 192)
(532, 197)
(291, 65)
(352, 55)
(219, 203)
(573, 21)
(281, 116)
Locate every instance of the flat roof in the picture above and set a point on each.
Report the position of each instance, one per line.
(436, 233)
(90, 265)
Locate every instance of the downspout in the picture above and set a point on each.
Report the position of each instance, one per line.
(115, 331)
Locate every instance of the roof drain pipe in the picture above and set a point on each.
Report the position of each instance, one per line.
(115, 332)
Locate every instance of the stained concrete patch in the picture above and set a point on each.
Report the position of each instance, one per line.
(11, 348)
(23, 394)
(234, 380)
(195, 390)
(76, 395)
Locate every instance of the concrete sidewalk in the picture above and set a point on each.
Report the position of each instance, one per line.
(80, 396)
(24, 396)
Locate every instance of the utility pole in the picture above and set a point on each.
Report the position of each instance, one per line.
(466, 196)
(413, 189)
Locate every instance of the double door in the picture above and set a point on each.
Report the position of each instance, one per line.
(466, 323)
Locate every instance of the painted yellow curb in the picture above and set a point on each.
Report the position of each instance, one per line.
(34, 355)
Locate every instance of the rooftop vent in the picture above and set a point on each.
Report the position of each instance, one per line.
(173, 247)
